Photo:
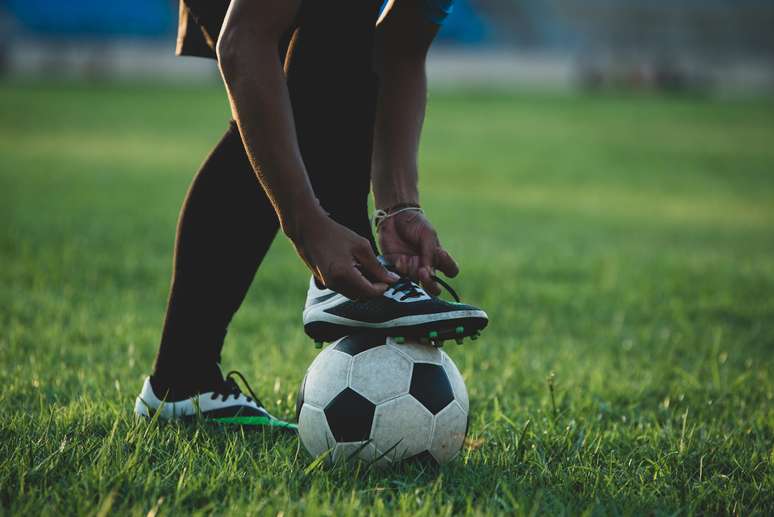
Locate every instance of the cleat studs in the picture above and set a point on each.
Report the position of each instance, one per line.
(459, 330)
(459, 340)
(318, 344)
(433, 334)
(474, 336)
(400, 340)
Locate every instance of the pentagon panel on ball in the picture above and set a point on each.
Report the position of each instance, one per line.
(350, 416)
(368, 397)
(431, 387)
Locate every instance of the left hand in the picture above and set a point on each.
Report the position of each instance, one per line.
(410, 242)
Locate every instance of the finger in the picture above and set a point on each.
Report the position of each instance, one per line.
(372, 268)
(444, 262)
(355, 286)
(412, 268)
(427, 248)
(399, 261)
(426, 262)
(407, 265)
(425, 277)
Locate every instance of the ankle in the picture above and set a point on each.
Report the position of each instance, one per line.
(173, 388)
(167, 391)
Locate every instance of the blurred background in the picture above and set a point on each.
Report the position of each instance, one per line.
(677, 45)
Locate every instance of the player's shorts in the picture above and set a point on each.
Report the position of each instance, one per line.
(201, 20)
(436, 11)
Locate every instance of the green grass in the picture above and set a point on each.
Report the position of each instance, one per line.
(623, 247)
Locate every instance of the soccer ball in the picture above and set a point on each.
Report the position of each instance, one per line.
(371, 398)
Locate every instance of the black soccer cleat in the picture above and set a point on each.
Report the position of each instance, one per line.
(404, 311)
(226, 404)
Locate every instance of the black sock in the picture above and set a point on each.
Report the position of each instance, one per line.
(225, 229)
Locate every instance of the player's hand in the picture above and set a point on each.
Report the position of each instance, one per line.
(341, 259)
(410, 242)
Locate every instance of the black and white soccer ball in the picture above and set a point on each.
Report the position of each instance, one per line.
(368, 397)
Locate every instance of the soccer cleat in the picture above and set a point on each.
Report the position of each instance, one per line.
(404, 311)
(225, 405)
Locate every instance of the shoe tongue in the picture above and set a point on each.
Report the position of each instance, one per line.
(409, 288)
(230, 386)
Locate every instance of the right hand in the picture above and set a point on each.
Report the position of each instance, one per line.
(341, 259)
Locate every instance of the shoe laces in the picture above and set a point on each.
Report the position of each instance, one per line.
(230, 388)
(411, 289)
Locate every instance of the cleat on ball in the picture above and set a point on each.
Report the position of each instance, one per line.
(405, 309)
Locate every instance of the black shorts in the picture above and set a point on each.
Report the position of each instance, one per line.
(199, 26)
(201, 20)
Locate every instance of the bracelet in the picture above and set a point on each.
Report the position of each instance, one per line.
(380, 215)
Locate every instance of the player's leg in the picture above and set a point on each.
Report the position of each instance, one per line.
(225, 228)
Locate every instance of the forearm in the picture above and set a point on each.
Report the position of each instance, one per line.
(403, 37)
(400, 114)
(260, 104)
(260, 101)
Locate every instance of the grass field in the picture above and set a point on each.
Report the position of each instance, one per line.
(623, 247)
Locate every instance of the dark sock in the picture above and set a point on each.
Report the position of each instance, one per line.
(226, 227)
(173, 389)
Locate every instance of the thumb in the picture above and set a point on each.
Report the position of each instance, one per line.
(373, 269)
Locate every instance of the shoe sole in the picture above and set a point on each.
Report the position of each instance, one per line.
(431, 333)
(141, 410)
(248, 422)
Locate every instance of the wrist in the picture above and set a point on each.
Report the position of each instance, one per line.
(396, 200)
(302, 217)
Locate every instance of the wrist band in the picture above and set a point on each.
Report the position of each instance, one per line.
(380, 215)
